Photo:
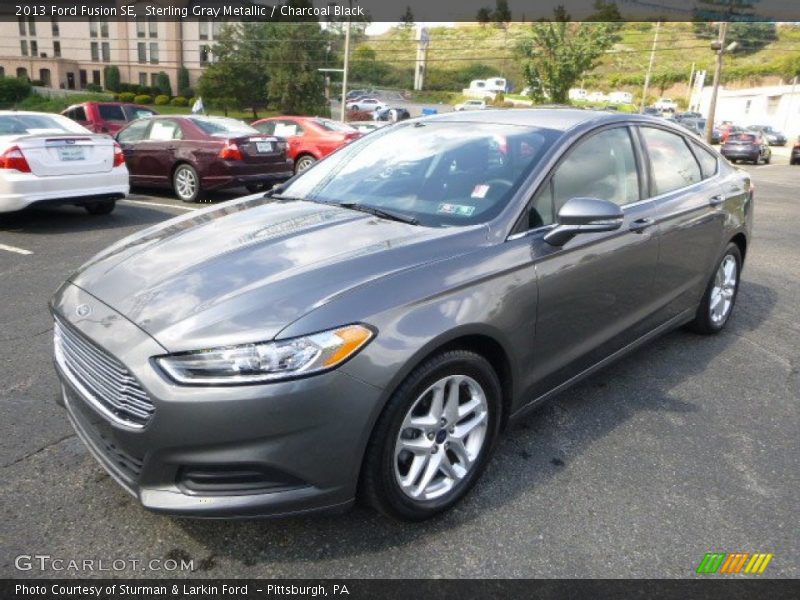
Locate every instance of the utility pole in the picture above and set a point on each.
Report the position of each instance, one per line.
(650, 68)
(719, 47)
(346, 66)
(690, 86)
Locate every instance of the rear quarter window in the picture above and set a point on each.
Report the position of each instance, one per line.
(111, 112)
(708, 161)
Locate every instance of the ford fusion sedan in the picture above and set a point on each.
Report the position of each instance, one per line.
(47, 159)
(751, 147)
(369, 329)
(196, 154)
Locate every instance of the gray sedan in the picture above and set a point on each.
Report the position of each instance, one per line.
(369, 329)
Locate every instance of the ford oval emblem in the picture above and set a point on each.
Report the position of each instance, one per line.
(83, 310)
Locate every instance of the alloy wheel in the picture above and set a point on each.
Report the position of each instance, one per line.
(185, 183)
(441, 437)
(723, 291)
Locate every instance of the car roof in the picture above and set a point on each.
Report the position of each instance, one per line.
(560, 119)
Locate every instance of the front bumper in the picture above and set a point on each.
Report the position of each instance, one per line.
(299, 442)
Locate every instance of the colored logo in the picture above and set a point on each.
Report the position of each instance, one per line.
(735, 562)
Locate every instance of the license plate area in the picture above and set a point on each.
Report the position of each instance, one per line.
(264, 147)
(71, 153)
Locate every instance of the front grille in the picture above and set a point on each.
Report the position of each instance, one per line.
(109, 385)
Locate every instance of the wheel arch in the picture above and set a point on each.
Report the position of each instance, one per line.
(740, 239)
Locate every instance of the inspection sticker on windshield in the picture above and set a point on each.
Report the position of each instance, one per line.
(480, 191)
(456, 209)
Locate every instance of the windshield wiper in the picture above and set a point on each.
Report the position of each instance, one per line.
(380, 212)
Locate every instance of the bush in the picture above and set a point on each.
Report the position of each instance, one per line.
(112, 78)
(162, 100)
(179, 101)
(13, 89)
(184, 88)
(126, 96)
(143, 89)
(93, 87)
(143, 99)
(37, 83)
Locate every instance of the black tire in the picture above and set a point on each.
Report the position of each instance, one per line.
(188, 171)
(101, 208)
(702, 322)
(379, 487)
(768, 159)
(254, 188)
(303, 163)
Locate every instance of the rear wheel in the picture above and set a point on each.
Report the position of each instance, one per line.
(717, 304)
(303, 163)
(186, 183)
(254, 188)
(434, 438)
(100, 208)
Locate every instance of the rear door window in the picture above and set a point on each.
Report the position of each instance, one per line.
(135, 132)
(163, 130)
(673, 163)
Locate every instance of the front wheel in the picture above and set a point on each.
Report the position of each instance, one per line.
(186, 183)
(434, 438)
(101, 208)
(720, 296)
(303, 163)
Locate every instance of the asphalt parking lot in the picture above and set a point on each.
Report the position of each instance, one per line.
(688, 446)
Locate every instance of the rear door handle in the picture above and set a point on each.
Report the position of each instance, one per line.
(639, 225)
(716, 200)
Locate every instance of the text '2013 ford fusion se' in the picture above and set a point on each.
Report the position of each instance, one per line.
(368, 329)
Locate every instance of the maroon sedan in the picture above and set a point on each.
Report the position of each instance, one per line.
(194, 154)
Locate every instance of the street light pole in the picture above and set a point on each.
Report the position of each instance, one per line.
(719, 46)
(346, 67)
(650, 68)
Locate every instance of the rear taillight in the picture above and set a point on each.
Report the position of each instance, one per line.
(119, 157)
(230, 151)
(13, 158)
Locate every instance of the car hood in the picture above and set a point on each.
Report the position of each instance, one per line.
(242, 271)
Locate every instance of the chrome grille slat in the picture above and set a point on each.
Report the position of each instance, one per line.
(110, 384)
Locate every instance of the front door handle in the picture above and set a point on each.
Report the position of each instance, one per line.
(716, 200)
(639, 225)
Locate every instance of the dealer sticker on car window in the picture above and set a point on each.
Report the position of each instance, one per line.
(480, 191)
(455, 209)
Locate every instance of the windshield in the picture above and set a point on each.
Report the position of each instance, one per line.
(333, 125)
(223, 125)
(440, 173)
(21, 124)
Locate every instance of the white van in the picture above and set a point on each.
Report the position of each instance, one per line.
(578, 94)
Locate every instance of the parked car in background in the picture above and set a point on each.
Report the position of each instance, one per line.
(794, 159)
(354, 94)
(366, 105)
(393, 114)
(577, 94)
(365, 127)
(666, 105)
(597, 97)
(687, 116)
(773, 136)
(48, 159)
(620, 97)
(749, 146)
(372, 327)
(470, 105)
(727, 129)
(698, 127)
(196, 154)
(309, 138)
(107, 117)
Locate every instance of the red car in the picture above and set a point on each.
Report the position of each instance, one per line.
(310, 138)
(107, 117)
(193, 154)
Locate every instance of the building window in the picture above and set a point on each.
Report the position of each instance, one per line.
(95, 51)
(747, 107)
(153, 79)
(215, 29)
(143, 79)
(92, 28)
(104, 29)
(23, 45)
(84, 80)
(44, 77)
(31, 26)
(22, 28)
(140, 27)
(22, 72)
(152, 26)
(57, 49)
(142, 49)
(106, 52)
(96, 77)
(205, 54)
(153, 53)
(56, 28)
(203, 29)
(34, 48)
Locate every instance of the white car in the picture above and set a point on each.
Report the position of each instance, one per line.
(50, 159)
(620, 97)
(367, 105)
(470, 105)
(597, 97)
(666, 105)
(577, 94)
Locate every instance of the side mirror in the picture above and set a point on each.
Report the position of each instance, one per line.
(584, 215)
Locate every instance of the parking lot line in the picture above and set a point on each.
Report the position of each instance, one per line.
(146, 203)
(14, 249)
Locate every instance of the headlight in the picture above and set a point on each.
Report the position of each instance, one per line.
(268, 361)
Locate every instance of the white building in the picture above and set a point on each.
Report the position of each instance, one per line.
(778, 106)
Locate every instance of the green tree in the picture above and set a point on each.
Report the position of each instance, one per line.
(484, 16)
(162, 84)
(606, 11)
(184, 86)
(502, 13)
(112, 78)
(557, 53)
(408, 18)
